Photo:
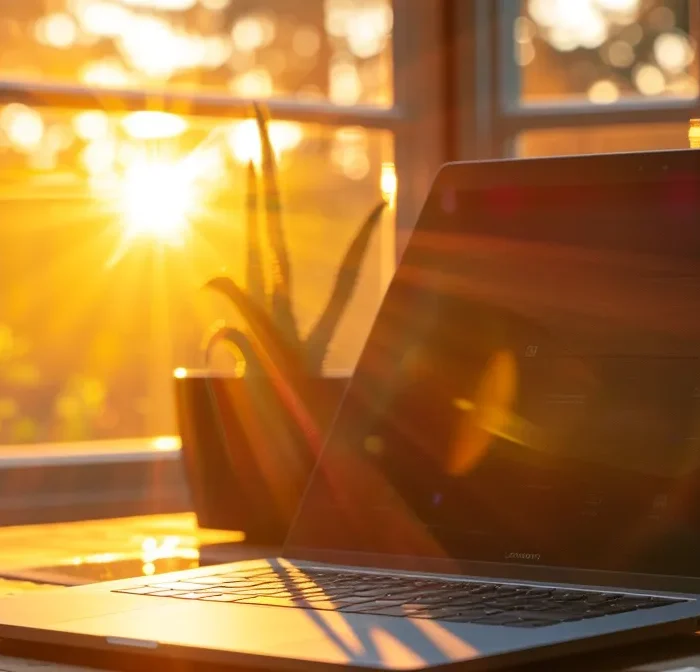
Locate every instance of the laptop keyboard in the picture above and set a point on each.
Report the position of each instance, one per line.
(453, 601)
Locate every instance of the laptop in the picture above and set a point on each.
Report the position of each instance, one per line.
(513, 472)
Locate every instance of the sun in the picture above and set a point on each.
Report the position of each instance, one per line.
(157, 198)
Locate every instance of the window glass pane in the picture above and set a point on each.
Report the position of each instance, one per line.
(338, 50)
(603, 50)
(110, 226)
(619, 138)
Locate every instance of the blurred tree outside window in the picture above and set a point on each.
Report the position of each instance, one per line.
(605, 50)
(111, 220)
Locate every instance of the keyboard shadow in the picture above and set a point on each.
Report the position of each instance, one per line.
(359, 644)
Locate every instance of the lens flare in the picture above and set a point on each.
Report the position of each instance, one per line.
(157, 198)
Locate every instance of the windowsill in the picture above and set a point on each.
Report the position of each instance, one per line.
(59, 482)
(89, 452)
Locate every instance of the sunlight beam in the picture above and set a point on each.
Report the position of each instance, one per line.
(157, 199)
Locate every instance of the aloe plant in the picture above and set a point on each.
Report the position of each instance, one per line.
(271, 343)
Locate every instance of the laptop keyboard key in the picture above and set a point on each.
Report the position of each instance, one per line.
(496, 619)
(601, 599)
(195, 596)
(432, 599)
(506, 603)
(325, 605)
(312, 598)
(206, 580)
(535, 606)
(139, 590)
(178, 585)
(531, 623)
(469, 602)
(649, 604)
(350, 601)
(371, 607)
(539, 592)
(486, 588)
(402, 610)
(568, 597)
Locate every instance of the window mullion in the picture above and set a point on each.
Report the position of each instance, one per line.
(574, 114)
(76, 97)
(695, 21)
(419, 61)
(480, 78)
(509, 73)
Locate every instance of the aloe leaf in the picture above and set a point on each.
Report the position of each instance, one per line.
(272, 350)
(222, 333)
(278, 362)
(320, 336)
(255, 279)
(281, 307)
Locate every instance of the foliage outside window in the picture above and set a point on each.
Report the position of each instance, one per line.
(605, 50)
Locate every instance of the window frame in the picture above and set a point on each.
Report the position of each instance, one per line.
(491, 115)
(417, 121)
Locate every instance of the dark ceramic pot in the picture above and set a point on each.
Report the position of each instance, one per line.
(249, 445)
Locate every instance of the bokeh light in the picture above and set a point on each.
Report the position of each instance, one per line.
(153, 125)
(673, 52)
(339, 50)
(56, 30)
(389, 183)
(604, 91)
(23, 126)
(244, 139)
(649, 80)
(91, 124)
(605, 49)
(108, 73)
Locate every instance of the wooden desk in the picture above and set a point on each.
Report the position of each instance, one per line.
(105, 541)
(93, 541)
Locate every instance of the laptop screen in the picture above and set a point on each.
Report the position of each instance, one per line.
(530, 391)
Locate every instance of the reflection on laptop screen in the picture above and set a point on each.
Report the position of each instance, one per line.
(530, 391)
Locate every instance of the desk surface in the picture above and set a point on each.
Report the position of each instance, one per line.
(150, 537)
(104, 541)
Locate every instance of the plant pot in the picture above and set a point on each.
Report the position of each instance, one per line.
(249, 445)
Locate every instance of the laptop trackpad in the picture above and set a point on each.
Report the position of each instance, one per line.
(225, 627)
(305, 635)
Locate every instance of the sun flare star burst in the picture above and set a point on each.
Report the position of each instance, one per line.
(157, 198)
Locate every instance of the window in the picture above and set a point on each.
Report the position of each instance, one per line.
(124, 146)
(565, 76)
